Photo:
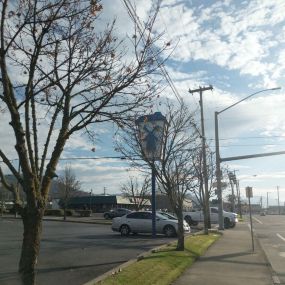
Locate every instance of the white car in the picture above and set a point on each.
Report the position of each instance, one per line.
(195, 217)
(141, 222)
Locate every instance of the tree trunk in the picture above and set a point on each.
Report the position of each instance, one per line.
(206, 219)
(180, 232)
(64, 212)
(32, 221)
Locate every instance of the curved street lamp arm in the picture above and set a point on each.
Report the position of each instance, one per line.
(260, 91)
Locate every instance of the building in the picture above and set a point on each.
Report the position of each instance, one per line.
(163, 203)
(102, 203)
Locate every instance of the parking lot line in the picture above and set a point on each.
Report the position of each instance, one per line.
(281, 237)
(257, 220)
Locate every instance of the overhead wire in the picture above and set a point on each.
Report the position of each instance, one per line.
(246, 138)
(135, 18)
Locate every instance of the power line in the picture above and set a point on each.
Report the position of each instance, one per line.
(249, 145)
(245, 138)
(84, 158)
(136, 20)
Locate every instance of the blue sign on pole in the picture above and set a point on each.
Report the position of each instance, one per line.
(151, 128)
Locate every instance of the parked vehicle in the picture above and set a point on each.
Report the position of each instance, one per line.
(141, 222)
(195, 217)
(167, 215)
(118, 212)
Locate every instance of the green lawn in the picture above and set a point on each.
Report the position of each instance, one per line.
(240, 219)
(165, 265)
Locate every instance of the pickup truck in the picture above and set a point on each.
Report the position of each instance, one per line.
(195, 217)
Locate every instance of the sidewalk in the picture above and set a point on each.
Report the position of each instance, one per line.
(230, 261)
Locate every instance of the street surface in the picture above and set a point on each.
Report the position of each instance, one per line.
(71, 253)
(270, 231)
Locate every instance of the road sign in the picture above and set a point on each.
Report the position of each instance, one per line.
(248, 191)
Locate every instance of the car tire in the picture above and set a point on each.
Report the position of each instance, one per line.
(125, 230)
(190, 222)
(227, 223)
(107, 217)
(233, 225)
(169, 231)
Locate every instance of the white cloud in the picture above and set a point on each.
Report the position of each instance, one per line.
(238, 37)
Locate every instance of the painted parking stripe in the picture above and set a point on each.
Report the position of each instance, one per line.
(281, 237)
(257, 220)
(250, 228)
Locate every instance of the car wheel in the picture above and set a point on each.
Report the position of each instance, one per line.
(125, 230)
(233, 225)
(190, 222)
(227, 223)
(107, 217)
(169, 231)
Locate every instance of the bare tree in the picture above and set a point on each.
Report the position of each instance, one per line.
(67, 187)
(175, 171)
(62, 73)
(138, 192)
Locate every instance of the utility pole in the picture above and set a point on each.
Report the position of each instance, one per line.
(200, 90)
(267, 200)
(278, 200)
(233, 180)
(239, 202)
(90, 202)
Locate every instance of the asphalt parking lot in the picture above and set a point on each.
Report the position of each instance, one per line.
(71, 253)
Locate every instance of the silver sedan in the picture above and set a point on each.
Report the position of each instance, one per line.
(141, 222)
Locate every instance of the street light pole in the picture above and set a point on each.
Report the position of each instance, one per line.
(90, 204)
(218, 158)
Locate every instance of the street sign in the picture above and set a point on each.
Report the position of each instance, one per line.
(248, 191)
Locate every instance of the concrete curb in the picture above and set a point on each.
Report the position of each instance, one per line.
(74, 221)
(275, 279)
(66, 221)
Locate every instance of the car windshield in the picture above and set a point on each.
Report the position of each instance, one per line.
(168, 216)
(163, 216)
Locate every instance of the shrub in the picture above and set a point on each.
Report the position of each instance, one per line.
(52, 212)
(69, 212)
(84, 213)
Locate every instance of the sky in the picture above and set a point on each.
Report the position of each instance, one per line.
(238, 47)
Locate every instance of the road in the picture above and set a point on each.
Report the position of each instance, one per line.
(270, 231)
(71, 253)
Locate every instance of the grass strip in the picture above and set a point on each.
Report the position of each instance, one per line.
(163, 266)
(240, 219)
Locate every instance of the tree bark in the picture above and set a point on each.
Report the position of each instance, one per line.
(32, 221)
(180, 232)
(64, 210)
(206, 219)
